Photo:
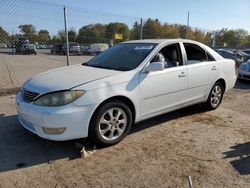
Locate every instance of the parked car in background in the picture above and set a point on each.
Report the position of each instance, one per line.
(30, 49)
(22, 46)
(247, 51)
(98, 48)
(57, 49)
(231, 54)
(84, 49)
(3, 45)
(49, 46)
(41, 46)
(128, 83)
(243, 56)
(74, 48)
(19, 45)
(244, 71)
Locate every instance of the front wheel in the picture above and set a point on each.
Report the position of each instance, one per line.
(110, 123)
(215, 96)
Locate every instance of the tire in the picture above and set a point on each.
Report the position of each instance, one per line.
(110, 123)
(215, 96)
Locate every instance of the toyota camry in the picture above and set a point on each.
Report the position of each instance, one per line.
(129, 82)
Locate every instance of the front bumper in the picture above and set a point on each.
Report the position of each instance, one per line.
(244, 75)
(75, 119)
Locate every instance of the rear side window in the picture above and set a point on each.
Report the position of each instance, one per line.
(209, 57)
(196, 54)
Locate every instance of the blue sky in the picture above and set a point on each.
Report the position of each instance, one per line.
(46, 14)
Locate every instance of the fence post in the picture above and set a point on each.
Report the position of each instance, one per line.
(66, 33)
(141, 32)
(214, 39)
(187, 26)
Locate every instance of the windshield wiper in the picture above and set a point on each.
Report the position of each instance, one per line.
(122, 68)
(98, 66)
(109, 68)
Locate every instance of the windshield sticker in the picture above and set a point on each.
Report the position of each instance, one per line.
(143, 47)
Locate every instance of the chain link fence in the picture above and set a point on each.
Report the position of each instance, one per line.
(33, 36)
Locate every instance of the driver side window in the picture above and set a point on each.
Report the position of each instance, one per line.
(170, 55)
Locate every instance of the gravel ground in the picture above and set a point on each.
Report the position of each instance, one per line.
(212, 147)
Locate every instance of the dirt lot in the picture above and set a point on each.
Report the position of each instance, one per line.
(15, 69)
(212, 147)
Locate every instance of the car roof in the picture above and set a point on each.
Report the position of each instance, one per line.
(166, 41)
(159, 41)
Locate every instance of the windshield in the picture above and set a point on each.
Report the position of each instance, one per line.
(122, 57)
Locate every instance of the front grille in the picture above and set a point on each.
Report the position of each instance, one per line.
(29, 96)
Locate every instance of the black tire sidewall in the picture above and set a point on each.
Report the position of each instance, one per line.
(94, 134)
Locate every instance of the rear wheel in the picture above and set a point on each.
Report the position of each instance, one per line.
(215, 96)
(111, 123)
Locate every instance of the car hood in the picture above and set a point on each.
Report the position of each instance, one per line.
(66, 78)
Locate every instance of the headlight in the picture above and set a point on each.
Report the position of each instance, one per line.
(59, 98)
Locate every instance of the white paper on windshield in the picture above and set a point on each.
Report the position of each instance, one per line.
(143, 47)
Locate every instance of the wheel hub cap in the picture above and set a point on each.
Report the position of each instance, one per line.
(216, 96)
(112, 124)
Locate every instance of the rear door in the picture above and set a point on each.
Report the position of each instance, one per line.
(203, 71)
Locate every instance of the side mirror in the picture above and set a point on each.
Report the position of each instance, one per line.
(154, 66)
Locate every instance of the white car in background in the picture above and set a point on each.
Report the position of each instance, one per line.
(95, 49)
(3, 45)
(128, 83)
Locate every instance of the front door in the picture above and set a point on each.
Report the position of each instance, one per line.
(165, 89)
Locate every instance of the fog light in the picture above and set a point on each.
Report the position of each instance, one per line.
(54, 130)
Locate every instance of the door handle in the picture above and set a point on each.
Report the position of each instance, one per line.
(182, 75)
(214, 68)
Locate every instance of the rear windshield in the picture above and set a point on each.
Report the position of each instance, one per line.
(122, 57)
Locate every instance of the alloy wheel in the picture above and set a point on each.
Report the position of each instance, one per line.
(216, 96)
(112, 124)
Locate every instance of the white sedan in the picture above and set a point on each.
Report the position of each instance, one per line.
(128, 83)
